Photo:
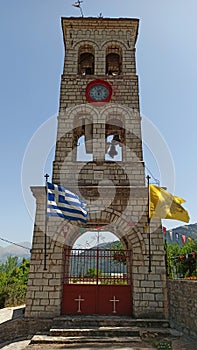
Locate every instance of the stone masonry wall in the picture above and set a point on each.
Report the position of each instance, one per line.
(100, 33)
(127, 220)
(182, 297)
(43, 297)
(125, 91)
(23, 328)
(66, 168)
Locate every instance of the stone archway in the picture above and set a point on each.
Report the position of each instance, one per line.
(149, 290)
(97, 281)
(135, 249)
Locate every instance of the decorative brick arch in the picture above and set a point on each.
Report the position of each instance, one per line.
(123, 112)
(81, 111)
(119, 43)
(132, 240)
(84, 43)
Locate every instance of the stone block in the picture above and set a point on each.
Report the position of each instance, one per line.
(41, 295)
(149, 284)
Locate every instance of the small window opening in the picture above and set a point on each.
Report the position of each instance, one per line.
(86, 63)
(113, 64)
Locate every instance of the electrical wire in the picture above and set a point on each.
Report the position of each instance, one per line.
(18, 245)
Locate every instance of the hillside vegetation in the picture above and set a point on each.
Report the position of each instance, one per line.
(13, 282)
(181, 260)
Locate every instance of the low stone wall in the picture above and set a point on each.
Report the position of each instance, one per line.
(22, 328)
(183, 306)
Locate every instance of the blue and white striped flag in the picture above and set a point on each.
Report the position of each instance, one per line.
(61, 202)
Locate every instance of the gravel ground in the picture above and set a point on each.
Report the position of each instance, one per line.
(178, 344)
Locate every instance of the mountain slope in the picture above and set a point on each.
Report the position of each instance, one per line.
(188, 230)
(15, 250)
(175, 235)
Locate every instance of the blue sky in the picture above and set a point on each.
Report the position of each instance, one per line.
(31, 66)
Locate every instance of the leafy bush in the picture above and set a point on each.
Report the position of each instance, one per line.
(181, 260)
(119, 254)
(13, 282)
(92, 273)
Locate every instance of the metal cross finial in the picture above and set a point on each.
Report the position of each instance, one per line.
(78, 5)
(46, 177)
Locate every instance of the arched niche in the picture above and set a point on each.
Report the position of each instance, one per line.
(86, 60)
(113, 60)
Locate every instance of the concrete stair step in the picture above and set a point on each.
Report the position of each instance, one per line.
(99, 321)
(48, 339)
(102, 331)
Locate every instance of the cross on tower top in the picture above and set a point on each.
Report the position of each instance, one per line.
(78, 5)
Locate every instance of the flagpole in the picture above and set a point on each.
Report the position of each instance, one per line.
(45, 229)
(148, 219)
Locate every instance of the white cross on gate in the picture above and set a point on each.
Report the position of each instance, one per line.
(114, 301)
(79, 303)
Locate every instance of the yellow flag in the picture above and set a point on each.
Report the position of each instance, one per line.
(190, 240)
(164, 205)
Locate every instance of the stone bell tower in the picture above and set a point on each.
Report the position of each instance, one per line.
(99, 110)
(99, 93)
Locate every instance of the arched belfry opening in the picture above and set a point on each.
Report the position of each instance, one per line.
(99, 112)
(113, 60)
(115, 139)
(86, 60)
(82, 144)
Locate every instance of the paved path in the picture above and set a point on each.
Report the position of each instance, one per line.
(8, 312)
(181, 344)
(20, 345)
(98, 346)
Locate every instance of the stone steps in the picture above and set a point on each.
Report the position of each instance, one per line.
(96, 332)
(97, 329)
(47, 339)
(104, 321)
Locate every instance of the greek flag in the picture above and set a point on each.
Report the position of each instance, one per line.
(61, 202)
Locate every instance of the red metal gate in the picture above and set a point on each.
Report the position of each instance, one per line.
(97, 281)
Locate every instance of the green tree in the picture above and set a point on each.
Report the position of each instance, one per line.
(181, 260)
(13, 282)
